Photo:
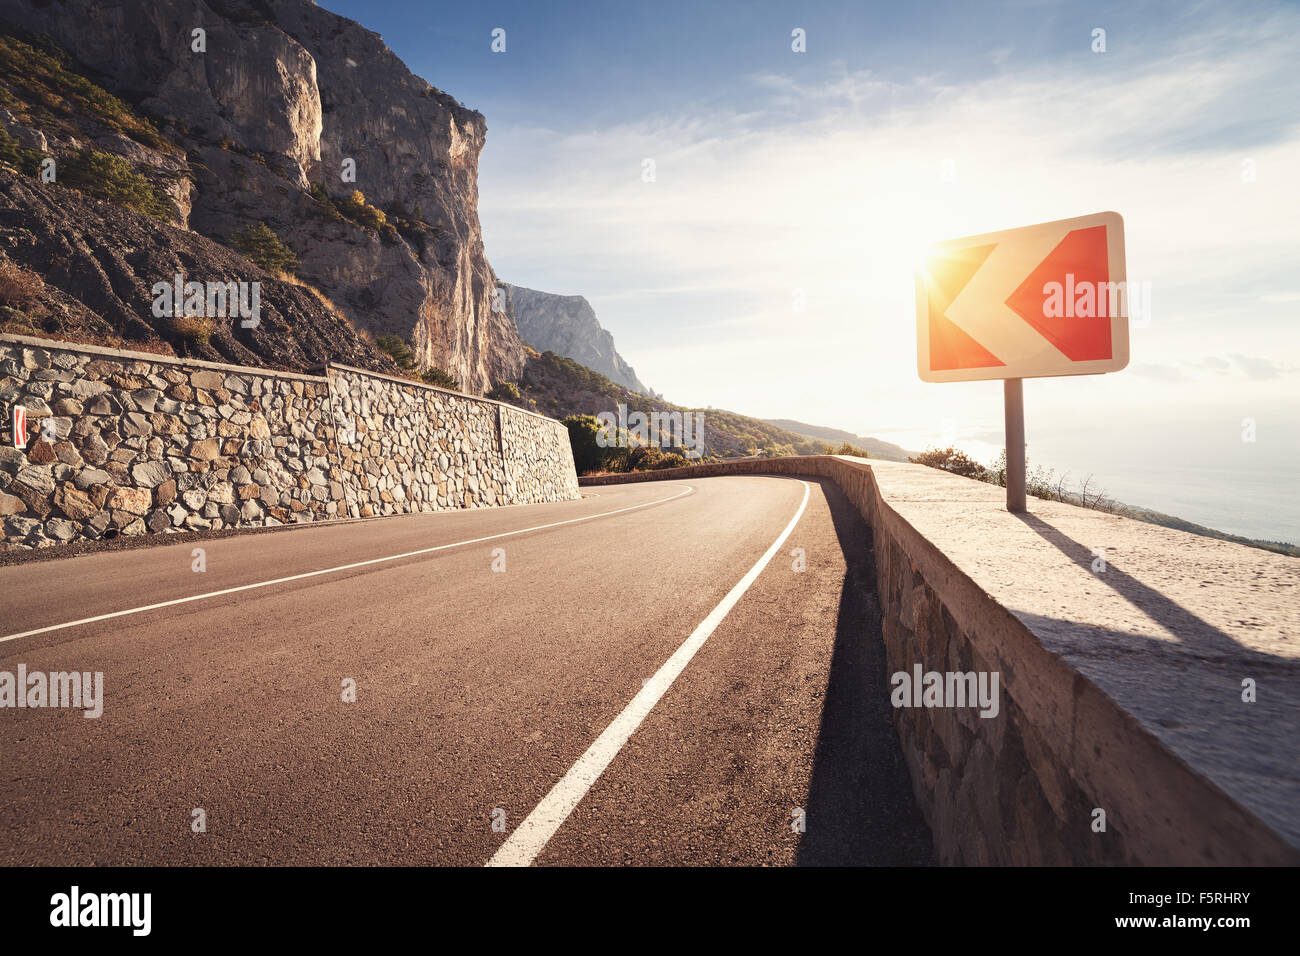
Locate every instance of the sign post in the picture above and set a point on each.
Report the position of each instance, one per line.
(1039, 301)
(1013, 396)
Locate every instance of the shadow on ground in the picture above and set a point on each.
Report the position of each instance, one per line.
(860, 810)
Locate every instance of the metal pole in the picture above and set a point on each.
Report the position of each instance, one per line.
(1014, 394)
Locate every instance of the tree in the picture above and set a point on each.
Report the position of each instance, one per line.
(264, 247)
(588, 456)
(441, 378)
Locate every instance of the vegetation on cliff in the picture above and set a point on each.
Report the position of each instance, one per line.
(264, 247)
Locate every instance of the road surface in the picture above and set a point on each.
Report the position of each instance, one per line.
(639, 677)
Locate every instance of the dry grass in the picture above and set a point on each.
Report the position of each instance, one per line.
(320, 296)
(193, 328)
(19, 287)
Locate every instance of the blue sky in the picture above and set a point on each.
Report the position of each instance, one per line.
(813, 177)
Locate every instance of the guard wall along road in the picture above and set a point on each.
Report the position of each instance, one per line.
(130, 443)
(1124, 681)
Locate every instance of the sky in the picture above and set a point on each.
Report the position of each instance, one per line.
(768, 266)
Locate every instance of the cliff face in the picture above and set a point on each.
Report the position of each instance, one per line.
(567, 325)
(284, 99)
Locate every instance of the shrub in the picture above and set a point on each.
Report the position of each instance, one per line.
(440, 378)
(399, 350)
(46, 76)
(113, 178)
(14, 154)
(650, 458)
(193, 329)
(950, 459)
(359, 211)
(19, 287)
(588, 456)
(264, 247)
(504, 392)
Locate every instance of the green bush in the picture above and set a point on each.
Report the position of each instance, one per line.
(504, 392)
(46, 77)
(113, 178)
(650, 458)
(588, 456)
(399, 350)
(950, 459)
(264, 247)
(13, 154)
(440, 378)
(359, 211)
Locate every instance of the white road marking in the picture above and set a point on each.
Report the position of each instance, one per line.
(538, 827)
(341, 567)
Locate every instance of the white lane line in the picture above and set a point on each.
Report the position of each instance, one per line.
(539, 826)
(341, 567)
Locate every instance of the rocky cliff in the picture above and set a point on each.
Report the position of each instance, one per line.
(279, 111)
(100, 261)
(567, 325)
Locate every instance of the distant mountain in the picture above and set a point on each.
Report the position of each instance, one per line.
(878, 449)
(567, 325)
(558, 386)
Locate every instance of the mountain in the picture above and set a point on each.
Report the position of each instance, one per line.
(236, 112)
(567, 325)
(878, 449)
(558, 386)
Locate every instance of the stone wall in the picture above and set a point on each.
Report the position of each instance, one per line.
(151, 444)
(1121, 688)
(419, 448)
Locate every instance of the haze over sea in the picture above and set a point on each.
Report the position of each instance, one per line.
(1203, 472)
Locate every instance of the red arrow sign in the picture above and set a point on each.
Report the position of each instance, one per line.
(1042, 300)
(1079, 326)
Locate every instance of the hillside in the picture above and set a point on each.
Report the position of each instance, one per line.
(99, 261)
(559, 386)
(884, 450)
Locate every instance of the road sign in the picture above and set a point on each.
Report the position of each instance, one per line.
(1042, 300)
(19, 423)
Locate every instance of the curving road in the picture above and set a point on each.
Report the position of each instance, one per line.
(648, 681)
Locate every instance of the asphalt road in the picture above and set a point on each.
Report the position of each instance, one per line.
(635, 687)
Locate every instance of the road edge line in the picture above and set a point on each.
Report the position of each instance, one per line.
(531, 836)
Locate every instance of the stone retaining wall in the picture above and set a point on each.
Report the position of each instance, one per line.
(1121, 688)
(144, 443)
(418, 448)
